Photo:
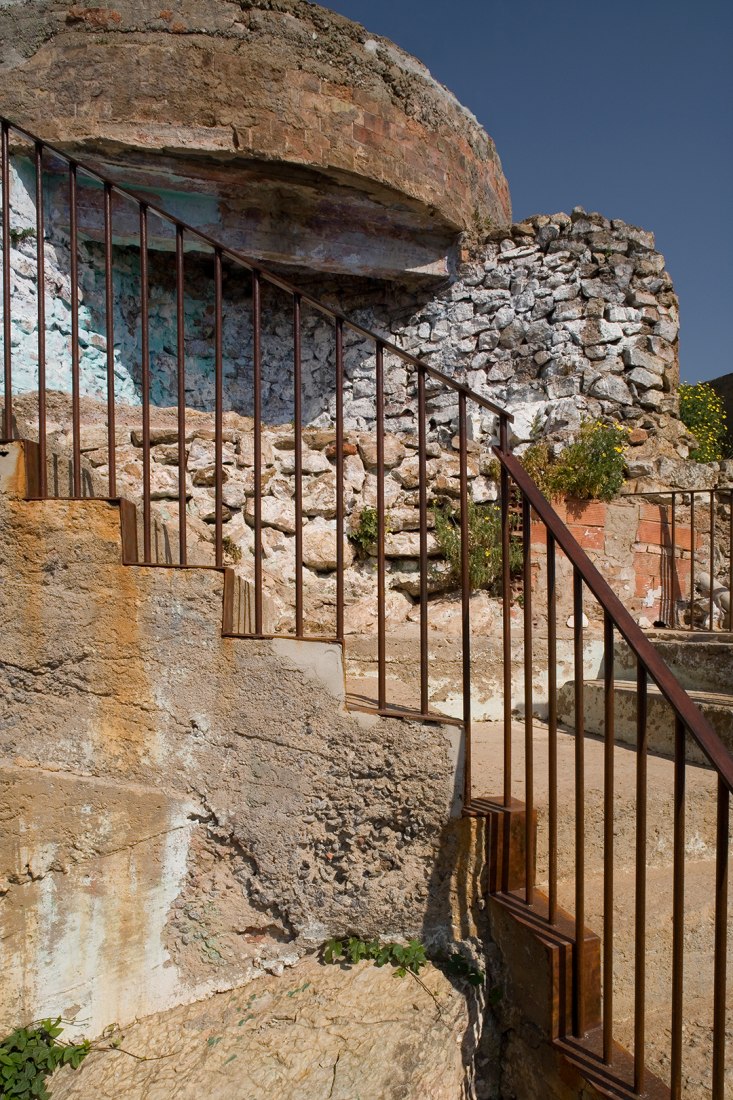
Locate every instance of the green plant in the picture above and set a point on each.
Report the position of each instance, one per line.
(537, 460)
(231, 549)
(30, 1054)
(484, 544)
(703, 412)
(591, 468)
(17, 236)
(367, 532)
(404, 957)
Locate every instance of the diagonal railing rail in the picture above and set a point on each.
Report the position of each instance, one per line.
(427, 382)
(688, 721)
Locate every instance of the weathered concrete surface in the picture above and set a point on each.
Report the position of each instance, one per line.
(717, 708)
(281, 819)
(321, 1031)
(703, 664)
(268, 108)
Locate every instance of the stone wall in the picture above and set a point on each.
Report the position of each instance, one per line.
(557, 318)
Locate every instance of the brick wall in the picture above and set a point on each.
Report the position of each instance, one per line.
(630, 542)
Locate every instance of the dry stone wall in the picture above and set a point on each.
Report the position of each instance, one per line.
(557, 318)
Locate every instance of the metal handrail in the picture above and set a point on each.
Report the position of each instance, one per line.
(693, 718)
(687, 719)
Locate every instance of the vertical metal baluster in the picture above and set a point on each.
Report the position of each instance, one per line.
(506, 621)
(7, 352)
(692, 561)
(381, 635)
(721, 940)
(181, 385)
(423, 505)
(528, 703)
(678, 909)
(712, 557)
(145, 320)
(41, 281)
(218, 414)
(640, 914)
(257, 395)
(579, 952)
(552, 722)
(465, 591)
(730, 560)
(298, 432)
(110, 334)
(340, 508)
(608, 821)
(675, 593)
(74, 275)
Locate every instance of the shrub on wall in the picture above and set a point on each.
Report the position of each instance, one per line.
(703, 412)
(591, 468)
(484, 545)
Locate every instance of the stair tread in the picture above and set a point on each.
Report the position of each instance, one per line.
(715, 697)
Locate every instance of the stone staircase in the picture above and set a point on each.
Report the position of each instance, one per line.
(702, 662)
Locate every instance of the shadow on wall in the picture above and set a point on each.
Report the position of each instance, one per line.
(454, 920)
(376, 307)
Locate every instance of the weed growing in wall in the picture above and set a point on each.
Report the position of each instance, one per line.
(367, 532)
(591, 468)
(703, 412)
(31, 1054)
(353, 950)
(484, 545)
(405, 958)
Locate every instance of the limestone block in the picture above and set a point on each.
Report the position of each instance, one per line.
(313, 1032)
(319, 546)
(394, 451)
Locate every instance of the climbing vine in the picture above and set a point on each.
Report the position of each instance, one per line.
(31, 1054)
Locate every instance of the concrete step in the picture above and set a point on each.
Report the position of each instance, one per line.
(700, 661)
(718, 709)
(487, 746)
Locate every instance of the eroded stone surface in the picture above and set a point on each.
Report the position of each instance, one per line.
(318, 1031)
(276, 819)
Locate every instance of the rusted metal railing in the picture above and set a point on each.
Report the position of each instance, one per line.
(706, 563)
(15, 139)
(689, 722)
(428, 381)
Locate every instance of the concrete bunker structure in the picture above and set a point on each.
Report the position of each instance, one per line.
(284, 130)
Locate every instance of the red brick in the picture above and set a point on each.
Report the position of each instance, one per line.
(590, 538)
(591, 513)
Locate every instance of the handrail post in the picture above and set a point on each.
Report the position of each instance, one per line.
(381, 561)
(465, 590)
(7, 349)
(506, 612)
(41, 285)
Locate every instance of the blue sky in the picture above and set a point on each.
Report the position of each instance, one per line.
(622, 107)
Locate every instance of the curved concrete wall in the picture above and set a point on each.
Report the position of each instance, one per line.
(323, 145)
